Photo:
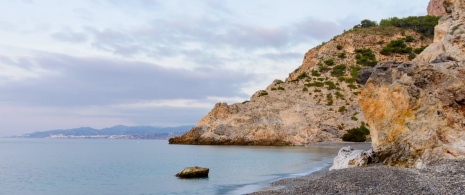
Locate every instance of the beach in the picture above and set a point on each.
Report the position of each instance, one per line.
(443, 177)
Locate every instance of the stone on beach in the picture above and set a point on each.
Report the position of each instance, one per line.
(348, 157)
(193, 172)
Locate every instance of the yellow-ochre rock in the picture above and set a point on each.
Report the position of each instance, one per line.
(416, 110)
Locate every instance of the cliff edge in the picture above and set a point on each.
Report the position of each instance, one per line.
(316, 103)
(416, 110)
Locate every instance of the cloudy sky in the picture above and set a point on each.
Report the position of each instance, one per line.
(99, 63)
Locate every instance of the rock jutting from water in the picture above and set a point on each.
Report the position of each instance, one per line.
(193, 172)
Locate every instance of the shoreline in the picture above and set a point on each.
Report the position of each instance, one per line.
(442, 177)
(319, 172)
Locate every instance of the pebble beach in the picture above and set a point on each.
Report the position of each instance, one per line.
(444, 177)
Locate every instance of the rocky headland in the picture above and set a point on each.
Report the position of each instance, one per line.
(316, 103)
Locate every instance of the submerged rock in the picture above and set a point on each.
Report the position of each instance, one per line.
(348, 157)
(193, 172)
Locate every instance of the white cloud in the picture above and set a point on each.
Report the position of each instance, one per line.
(11, 73)
(110, 62)
(174, 103)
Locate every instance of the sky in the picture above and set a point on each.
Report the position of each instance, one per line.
(101, 63)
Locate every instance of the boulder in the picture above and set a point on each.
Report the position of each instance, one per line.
(193, 172)
(348, 157)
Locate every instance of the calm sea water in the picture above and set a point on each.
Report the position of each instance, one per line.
(84, 166)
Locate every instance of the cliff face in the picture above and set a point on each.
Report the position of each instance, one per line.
(436, 8)
(449, 35)
(317, 102)
(416, 110)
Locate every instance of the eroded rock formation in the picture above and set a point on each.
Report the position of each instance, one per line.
(436, 8)
(449, 35)
(312, 105)
(416, 110)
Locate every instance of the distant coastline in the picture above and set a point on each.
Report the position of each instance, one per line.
(116, 132)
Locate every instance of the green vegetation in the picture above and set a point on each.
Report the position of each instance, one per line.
(365, 57)
(411, 56)
(356, 134)
(323, 68)
(329, 62)
(338, 70)
(352, 86)
(262, 93)
(421, 24)
(279, 81)
(419, 50)
(304, 89)
(245, 102)
(329, 98)
(302, 75)
(366, 24)
(354, 118)
(342, 109)
(273, 89)
(409, 39)
(281, 88)
(315, 84)
(317, 90)
(315, 73)
(396, 46)
(339, 95)
(339, 47)
(341, 55)
(330, 85)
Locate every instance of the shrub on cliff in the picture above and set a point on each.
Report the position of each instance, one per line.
(262, 93)
(302, 75)
(422, 24)
(419, 50)
(365, 57)
(356, 134)
(338, 70)
(366, 24)
(329, 62)
(396, 46)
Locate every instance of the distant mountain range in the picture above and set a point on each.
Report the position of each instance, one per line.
(116, 132)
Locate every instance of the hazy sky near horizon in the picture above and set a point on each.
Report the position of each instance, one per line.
(100, 63)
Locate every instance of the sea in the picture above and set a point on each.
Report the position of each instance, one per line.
(139, 167)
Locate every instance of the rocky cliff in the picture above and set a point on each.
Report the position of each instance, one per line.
(436, 8)
(416, 110)
(317, 102)
(449, 35)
